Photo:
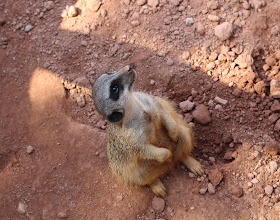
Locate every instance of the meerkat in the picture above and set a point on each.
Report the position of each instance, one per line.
(146, 135)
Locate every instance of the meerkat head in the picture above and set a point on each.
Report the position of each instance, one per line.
(111, 92)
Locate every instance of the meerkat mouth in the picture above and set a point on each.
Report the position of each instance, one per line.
(115, 116)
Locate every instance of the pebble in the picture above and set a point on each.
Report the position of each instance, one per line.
(210, 66)
(29, 149)
(81, 101)
(158, 204)
(273, 166)
(21, 208)
(191, 175)
(270, 61)
(237, 92)
(220, 100)
(224, 31)
(211, 188)
(228, 155)
(255, 181)
(169, 62)
(186, 105)
(277, 126)
(213, 18)
(153, 3)
(213, 56)
(176, 2)
(275, 88)
(273, 118)
(72, 11)
(260, 88)
(135, 23)
(201, 114)
(152, 82)
(49, 5)
(268, 190)
(246, 5)
(257, 4)
(28, 28)
(141, 2)
(202, 191)
(189, 21)
(2, 21)
(237, 191)
(188, 117)
(275, 107)
(186, 55)
(277, 54)
(200, 28)
(272, 147)
(250, 175)
(84, 43)
(62, 215)
(215, 177)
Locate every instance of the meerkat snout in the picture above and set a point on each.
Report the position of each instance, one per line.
(112, 90)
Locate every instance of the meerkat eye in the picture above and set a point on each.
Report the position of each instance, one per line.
(115, 89)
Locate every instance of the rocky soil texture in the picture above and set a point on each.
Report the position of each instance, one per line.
(217, 61)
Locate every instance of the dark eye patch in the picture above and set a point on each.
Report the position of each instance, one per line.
(116, 89)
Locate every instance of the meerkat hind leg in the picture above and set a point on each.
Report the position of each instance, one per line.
(158, 188)
(193, 165)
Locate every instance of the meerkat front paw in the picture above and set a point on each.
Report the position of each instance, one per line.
(164, 155)
(158, 188)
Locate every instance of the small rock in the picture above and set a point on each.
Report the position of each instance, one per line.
(224, 31)
(258, 3)
(186, 105)
(81, 101)
(270, 61)
(200, 28)
(201, 114)
(2, 21)
(273, 166)
(220, 100)
(272, 147)
(213, 18)
(213, 56)
(82, 81)
(237, 92)
(228, 155)
(275, 107)
(176, 2)
(237, 191)
(246, 5)
(29, 149)
(141, 2)
(28, 28)
(72, 11)
(244, 60)
(216, 177)
(189, 21)
(49, 5)
(191, 175)
(210, 66)
(268, 190)
(275, 88)
(211, 188)
(169, 62)
(277, 54)
(158, 204)
(62, 215)
(255, 181)
(277, 126)
(260, 88)
(188, 117)
(186, 55)
(202, 191)
(84, 43)
(21, 208)
(153, 3)
(152, 82)
(135, 23)
(273, 118)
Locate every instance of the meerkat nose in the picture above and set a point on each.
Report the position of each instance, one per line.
(127, 69)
